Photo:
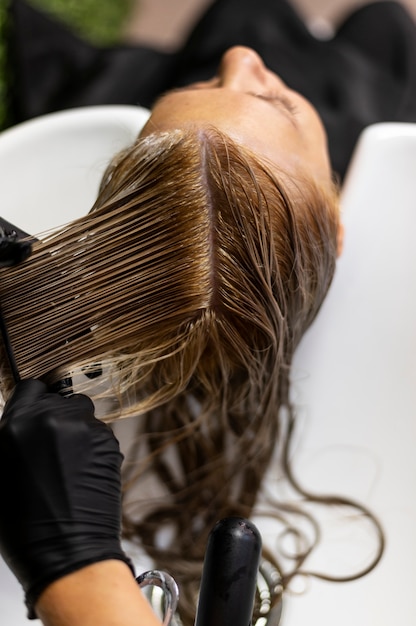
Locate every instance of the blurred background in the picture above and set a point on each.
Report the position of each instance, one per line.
(160, 23)
(165, 22)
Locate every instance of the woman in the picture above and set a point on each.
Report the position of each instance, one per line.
(182, 296)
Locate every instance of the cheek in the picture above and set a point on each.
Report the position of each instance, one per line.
(317, 141)
(309, 116)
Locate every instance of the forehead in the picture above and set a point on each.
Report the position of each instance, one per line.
(216, 105)
(294, 144)
(255, 123)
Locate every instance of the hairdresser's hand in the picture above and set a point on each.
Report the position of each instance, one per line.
(60, 496)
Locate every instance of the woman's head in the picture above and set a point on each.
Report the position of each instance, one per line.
(213, 160)
(253, 106)
(203, 261)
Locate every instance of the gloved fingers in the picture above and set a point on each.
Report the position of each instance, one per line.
(24, 394)
(78, 402)
(32, 397)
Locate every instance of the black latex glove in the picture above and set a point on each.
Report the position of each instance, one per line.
(60, 495)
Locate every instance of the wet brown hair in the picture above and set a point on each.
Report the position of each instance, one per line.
(187, 288)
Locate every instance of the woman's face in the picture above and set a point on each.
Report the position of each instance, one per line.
(253, 106)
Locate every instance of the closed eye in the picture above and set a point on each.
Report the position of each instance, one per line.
(279, 100)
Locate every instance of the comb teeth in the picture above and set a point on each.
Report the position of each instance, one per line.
(12, 252)
(9, 350)
(15, 244)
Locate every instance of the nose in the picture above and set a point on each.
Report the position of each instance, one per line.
(241, 68)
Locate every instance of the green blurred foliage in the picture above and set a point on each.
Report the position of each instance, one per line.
(98, 21)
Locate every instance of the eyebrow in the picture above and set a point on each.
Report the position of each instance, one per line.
(276, 99)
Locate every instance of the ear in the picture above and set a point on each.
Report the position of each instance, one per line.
(340, 239)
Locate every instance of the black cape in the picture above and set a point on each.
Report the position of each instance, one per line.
(365, 74)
